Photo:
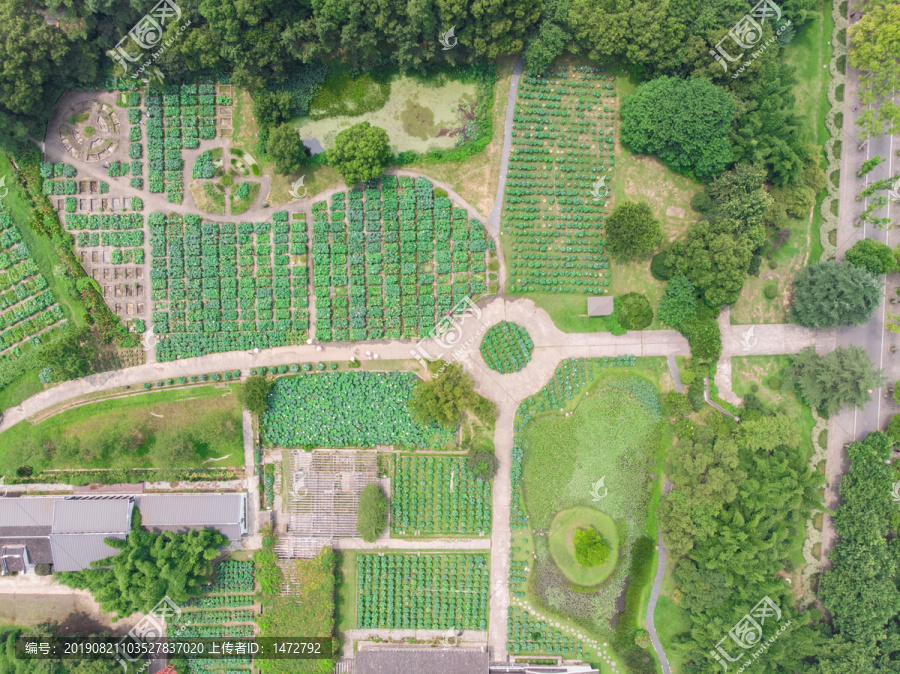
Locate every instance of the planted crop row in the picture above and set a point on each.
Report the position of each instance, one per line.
(563, 141)
(525, 634)
(422, 592)
(231, 577)
(224, 287)
(347, 409)
(27, 305)
(438, 494)
(506, 347)
(219, 601)
(388, 262)
(105, 221)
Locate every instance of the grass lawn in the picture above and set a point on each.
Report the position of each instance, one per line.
(670, 623)
(562, 545)
(199, 426)
(345, 592)
(612, 431)
(20, 389)
(239, 205)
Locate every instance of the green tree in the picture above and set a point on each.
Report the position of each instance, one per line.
(633, 311)
(590, 548)
(876, 257)
(254, 394)
(860, 589)
(371, 513)
(272, 108)
(360, 153)
(740, 196)
(875, 49)
(676, 405)
(265, 564)
(834, 294)
(632, 229)
(840, 378)
(286, 149)
(148, 567)
(445, 395)
(893, 429)
(715, 258)
(679, 302)
(684, 122)
(482, 463)
(70, 355)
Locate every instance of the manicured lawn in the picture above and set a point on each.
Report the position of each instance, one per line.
(345, 595)
(20, 389)
(670, 623)
(128, 433)
(562, 546)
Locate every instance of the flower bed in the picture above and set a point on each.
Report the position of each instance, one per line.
(388, 262)
(27, 305)
(422, 592)
(226, 287)
(506, 347)
(563, 141)
(438, 494)
(347, 409)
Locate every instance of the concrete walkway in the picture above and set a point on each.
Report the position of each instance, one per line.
(651, 607)
(494, 217)
(500, 531)
(252, 477)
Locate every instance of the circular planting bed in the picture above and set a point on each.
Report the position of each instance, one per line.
(562, 546)
(506, 347)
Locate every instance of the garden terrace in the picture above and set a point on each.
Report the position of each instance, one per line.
(347, 409)
(562, 141)
(387, 262)
(437, 495)
(422, 591)
(27, 305)
(225, 287)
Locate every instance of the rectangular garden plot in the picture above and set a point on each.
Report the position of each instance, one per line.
(347, 409)
(438, 494)
(387, 262)
(422, 592)
(556, 190)
(225, 287)
(27, 305)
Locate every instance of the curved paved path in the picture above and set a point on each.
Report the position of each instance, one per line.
(654, 594)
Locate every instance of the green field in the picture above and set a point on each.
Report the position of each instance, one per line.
(197, 426)
(613, 432)
(562, 547)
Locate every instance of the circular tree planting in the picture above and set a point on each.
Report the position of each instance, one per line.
(506, 347)
(566, 526)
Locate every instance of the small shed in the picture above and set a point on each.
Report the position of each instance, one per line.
(600, 306)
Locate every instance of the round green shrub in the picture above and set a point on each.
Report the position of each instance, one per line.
(506, 347)
(770, 291)
(659, 266)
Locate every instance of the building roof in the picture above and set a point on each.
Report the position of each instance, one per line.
(600, 306)
(25, 512)
(182, 512)
(38, 548)
(78, 515)
(433, 661)
(74, 552)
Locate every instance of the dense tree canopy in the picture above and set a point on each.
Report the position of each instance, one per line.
(286, 149)
(875, 49)
(876, 257)
(590, 548)
(743, 493)
(632, 229)
(254, 393)
(834, 294)
(860, 589)
(148, 567)
(683, 122)
(446, 395)
(360, 152)
(372, 512)
(679, 302)
(842, 377)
